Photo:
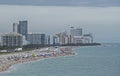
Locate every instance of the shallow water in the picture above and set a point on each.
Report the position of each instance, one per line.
(90, 61)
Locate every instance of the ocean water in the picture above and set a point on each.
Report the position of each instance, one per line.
(90, 61)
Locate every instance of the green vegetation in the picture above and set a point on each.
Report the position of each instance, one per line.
(32, 47)
(6, 47)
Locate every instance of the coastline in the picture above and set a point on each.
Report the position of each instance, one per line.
(6, 61)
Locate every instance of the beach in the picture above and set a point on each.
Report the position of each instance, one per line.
(7, 60)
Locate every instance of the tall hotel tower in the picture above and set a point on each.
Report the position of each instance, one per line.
(15, 26)
(76, 32)
(23, 28)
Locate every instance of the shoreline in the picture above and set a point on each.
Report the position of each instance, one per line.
(6, 61)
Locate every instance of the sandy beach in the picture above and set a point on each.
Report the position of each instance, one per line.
(7, 60)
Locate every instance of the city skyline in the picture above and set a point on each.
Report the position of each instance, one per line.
(103, 22)
(60, 37)
(74, 36)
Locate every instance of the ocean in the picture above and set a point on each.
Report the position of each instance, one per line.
(101, 60)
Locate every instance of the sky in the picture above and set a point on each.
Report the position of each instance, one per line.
(102, 21)
(64, 2)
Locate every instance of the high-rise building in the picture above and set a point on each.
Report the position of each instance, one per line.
(88, 38)
(12, 39)
(36, 38)
(61, 38)
(76, 32)
(48, 39)
(78, 39)
(23, 28)
(43, 39)
(15, 26)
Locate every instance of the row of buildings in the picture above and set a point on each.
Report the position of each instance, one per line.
(75, 36)
(20, 36)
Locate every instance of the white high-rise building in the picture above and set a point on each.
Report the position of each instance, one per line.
(61, 38)
(11, 40)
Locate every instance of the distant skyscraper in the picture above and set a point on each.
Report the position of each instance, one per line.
(15, 25)
(43, 39)
(48, 39)
(23, 28)
(36, 38)
(54, 40)
(88, 38)
(76, 32)
(12, 39)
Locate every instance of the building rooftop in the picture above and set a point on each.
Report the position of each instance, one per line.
(11, 34)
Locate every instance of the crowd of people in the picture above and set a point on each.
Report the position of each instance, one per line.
(8, 60)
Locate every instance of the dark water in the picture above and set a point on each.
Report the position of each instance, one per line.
(90, 61)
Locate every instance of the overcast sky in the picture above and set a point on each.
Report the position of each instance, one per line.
(64, 2)
(103, 22)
